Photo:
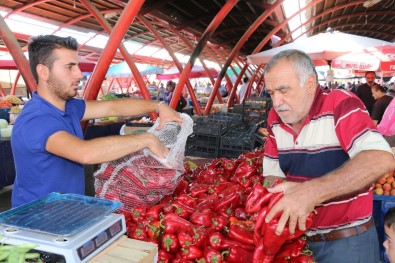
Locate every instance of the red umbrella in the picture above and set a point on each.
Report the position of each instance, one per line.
(7, 62)
(380, 58)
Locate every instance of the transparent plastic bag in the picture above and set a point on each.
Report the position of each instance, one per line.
(142, 178)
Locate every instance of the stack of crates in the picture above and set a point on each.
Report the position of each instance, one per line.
(205, 141)
(255, 110)
(238, 141)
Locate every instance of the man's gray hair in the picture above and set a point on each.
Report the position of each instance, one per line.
(300, 61)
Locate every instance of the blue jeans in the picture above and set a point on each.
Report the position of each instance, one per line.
(357, 249)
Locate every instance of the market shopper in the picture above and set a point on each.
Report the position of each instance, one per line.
(243, 89)
(364, 91)
(389, 229)
(47, 141)
(381, 103)
(329, 151)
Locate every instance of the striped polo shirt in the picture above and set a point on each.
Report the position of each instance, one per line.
(337, 128)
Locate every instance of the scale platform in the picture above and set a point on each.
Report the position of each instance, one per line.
(65, 227)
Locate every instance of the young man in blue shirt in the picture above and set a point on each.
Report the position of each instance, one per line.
(47, 142)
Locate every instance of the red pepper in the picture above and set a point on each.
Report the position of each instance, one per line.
(237, 254)
(198, 189)
(185, 239)
(271, 241)
(230, 200)
(240, 213)
(203, 218)
(170, 243)
(274, 199)
(186, 200)
(181, 188)
(207, 203)
(259, 255)
(298, 233)
(229, 165)
(154, 212)
(215, 163)
(259, 197)
(291, 249)
(260, 225)
(137, 233)
(191, 252)
(218, 242)
(219, 188)
(154, 230)
(226, 212)
(173, 224)
(220, 222)
(180, 211)
(164, 257)
(138, 213)
(212, 256)
(245, 168)
(240, 234)
(201, 235)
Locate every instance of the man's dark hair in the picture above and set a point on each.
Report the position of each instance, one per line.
(245, 79)
(389, 218)
(370, 72)
(41, 50)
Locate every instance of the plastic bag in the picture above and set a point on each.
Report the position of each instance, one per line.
(142, 178)
(387, 124)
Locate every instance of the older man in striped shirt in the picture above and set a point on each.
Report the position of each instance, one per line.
(327, 148)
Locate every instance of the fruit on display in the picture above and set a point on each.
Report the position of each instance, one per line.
(385, 185)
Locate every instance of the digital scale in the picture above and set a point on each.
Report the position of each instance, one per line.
(65, 227)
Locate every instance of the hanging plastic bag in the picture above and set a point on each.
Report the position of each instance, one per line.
(142, 178)
(387, 124)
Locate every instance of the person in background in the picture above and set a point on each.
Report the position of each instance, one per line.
(389, 229)
(364, 91)
(161, 92)
(171, 85)
(327, 148)
(208, 89)
(382, 102)
(223, 91)
(243, 89)
(47, 142)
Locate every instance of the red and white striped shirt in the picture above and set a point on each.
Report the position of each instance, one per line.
(337, 128)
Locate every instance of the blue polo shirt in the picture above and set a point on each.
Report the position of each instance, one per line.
(39, 172)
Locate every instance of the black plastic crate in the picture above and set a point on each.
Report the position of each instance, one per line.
(210, 127)
(230, 153)
(201, 151)
(229, 117)
(203, 140)
(238, 141)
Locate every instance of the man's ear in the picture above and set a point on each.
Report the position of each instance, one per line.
(312, 84)
(42, 72)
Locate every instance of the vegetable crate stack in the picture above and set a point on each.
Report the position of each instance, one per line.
(236, 142)
(207, 132)
(255, 110)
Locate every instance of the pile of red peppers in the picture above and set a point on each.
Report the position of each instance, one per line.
(216, 214)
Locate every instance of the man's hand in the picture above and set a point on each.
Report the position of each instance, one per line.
(167, 114)
(156, 146)
(294, 206)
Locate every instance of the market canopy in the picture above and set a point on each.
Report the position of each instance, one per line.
(379, 58)
(196, 72)
(122, 70)
(7, 62)
(324, 46)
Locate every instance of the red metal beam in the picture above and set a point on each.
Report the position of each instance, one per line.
(198, 49)
(176, 62)
(13, 89)
(233, 53)
(20, 60)
(116, 36)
